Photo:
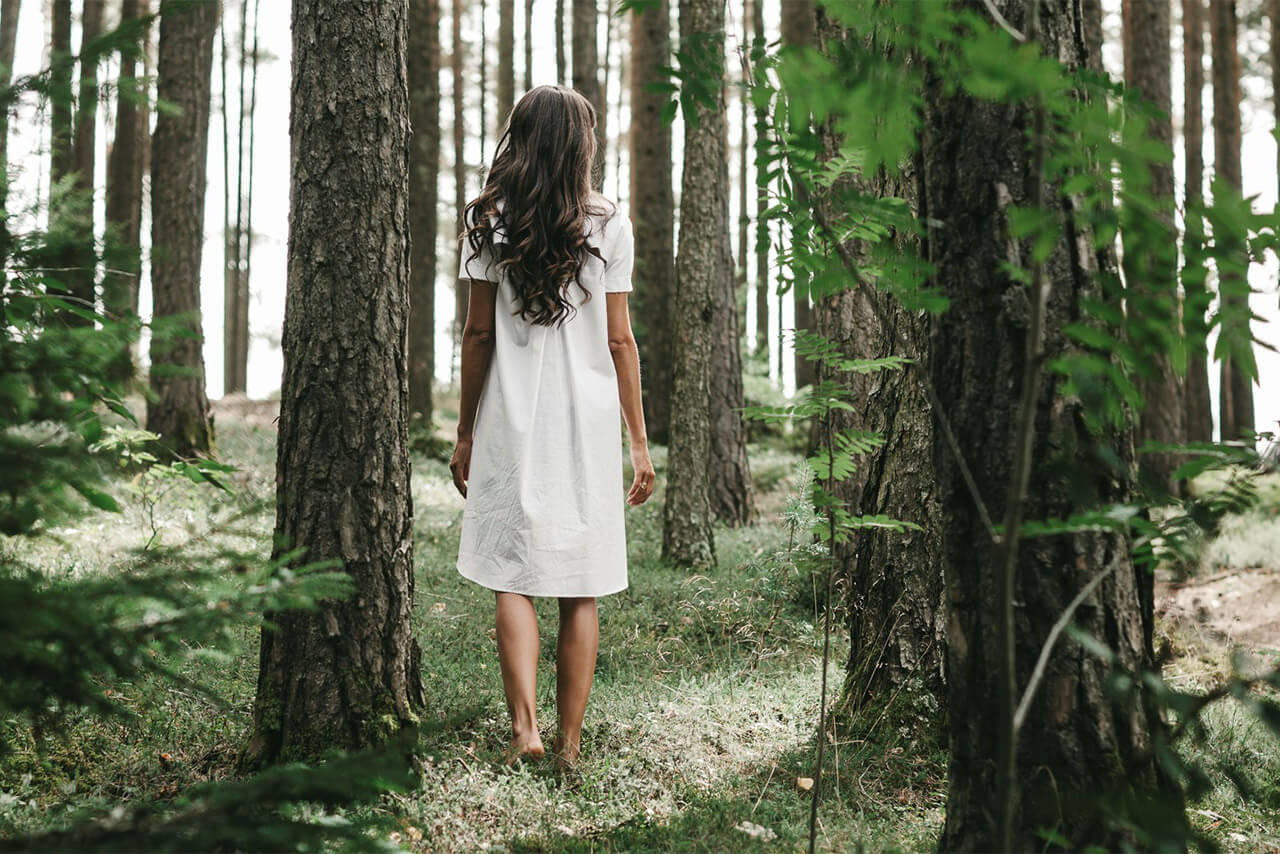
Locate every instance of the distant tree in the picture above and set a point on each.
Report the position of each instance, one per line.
(703, 262)
(798, 25)
(561, 64)
(586, 75)
(345, 675)
(1199, 406)
(61, 97)
(458, 84)
(424, 170)
(178, 408)
(1235, 390)
(125, 167)
(1150, 265)
(506, 58)
(528, 45)
(762, 198)
(8, 44)
(652, 211)
(81, 278)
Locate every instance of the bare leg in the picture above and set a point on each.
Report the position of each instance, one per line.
(575, 666)
(518, 655)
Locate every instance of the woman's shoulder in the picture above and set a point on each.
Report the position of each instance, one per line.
(608, 216)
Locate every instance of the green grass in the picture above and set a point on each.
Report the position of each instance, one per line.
(700, 724)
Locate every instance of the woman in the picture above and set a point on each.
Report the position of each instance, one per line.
(548, 359)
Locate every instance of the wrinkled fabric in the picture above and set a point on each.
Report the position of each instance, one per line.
(545, 498)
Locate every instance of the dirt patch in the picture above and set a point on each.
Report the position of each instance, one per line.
(1240, 608)
(256, 413)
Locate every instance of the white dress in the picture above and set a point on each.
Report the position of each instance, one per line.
(545, 499)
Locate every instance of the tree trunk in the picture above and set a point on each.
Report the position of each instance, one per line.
(235, 364)
(762, 197)
(744, 156)
(61, 98)
(1150, 264)
(8, 44)
(528, 45)
(230, 235)
(894, 579)
(1078, 746)
(798, 29)
(702, 264)
(124, 189)
(506, 60)
(82, 279)
(653, 213)
(484, 88)
(586, 79)
(424, 167)
(561, 64)
(1196, 296)
(345, 675)
(179, 408)
(1235, 401)
(460, 295)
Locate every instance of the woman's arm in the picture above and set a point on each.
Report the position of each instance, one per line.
(477, 352)
(626, 362)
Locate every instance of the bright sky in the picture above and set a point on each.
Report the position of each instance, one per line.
(271, 183)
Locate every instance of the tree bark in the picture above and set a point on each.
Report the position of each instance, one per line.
(1196, 300)
(61, 98)
(179, 407)
(586, 79)
(894, 579)
(561, 64)
(82, 278)
(124, 189)
(798, 29)
(1150, 266)
(424, 167)
(506, 59)
(9, 10)
(762, 199)
(345, 675)
(653, 212)
(460, 295)
(1078, 745)
(703, 262)
(528, 45)
(1235, 390)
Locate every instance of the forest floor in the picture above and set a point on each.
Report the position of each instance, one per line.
(699, 735)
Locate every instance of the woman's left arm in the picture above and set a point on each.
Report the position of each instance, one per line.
(477, 352)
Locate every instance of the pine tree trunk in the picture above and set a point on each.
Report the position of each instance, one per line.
(1235, 401)
(894, 580)
(1196, 299)
(586, 79)
(653, 213)
(460, 295)
(230, 235)
(704, 261)
(124, 190)
(345, 675)
(179, 408)
(8, 44)
(528, 45)
(762, 201)
(424, 169)
(81, 280)
(1077, 747)
(798, 30)
(61, 98)
(506, 59)
(744, 157)
(561, 63)
(1151, 276)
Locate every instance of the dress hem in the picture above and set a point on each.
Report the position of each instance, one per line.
(497, 588)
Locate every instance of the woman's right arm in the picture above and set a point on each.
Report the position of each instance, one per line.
(477, 352)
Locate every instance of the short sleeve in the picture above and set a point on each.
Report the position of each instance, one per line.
(620, 257)
(481, 267)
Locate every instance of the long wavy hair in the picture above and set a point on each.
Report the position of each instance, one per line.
(538, 196)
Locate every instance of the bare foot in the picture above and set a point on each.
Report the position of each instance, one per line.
(565, 754)
(523, 749)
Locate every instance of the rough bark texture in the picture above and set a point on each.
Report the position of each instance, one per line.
(8, 43)
(506, 59)
(1235, 390)
(798, 29)
(1077, 747)
(179, 408)
(894, 580)
(345, 675)
(702, 263)
(762, 203)
(457, 53)
(81, 280)
(586, 79)
(61, 157)
(1199, 406)
(1150, 274)
(653, 214)
(124, 183)
(424, 170)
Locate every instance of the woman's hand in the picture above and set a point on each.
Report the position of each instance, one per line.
(460, 465)
(642, 484)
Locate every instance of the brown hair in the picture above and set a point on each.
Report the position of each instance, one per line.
(541, 175)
